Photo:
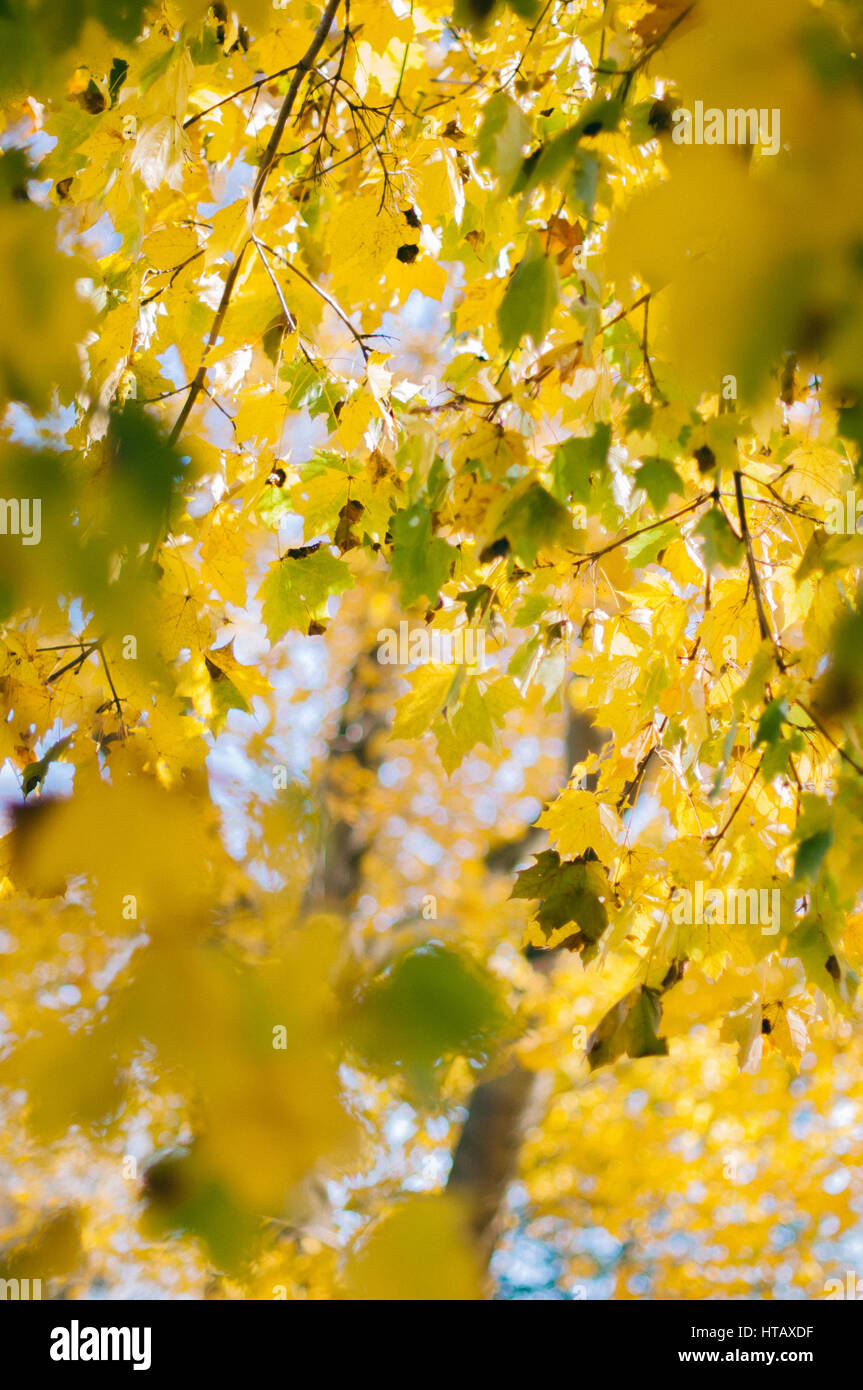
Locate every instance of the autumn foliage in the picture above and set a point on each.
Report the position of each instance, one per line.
(331, 965)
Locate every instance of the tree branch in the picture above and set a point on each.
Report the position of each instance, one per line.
(503, 1106)
(232, 96)
(755, 579)
(642, 531)
(325, 296)
(265, 168)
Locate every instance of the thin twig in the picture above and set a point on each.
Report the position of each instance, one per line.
(846, 757)
(530, 38)
(720, 833)
(622, 540)
(265, 168)
(325, 296)
(624, 313)
(288, 316)
(117, 703)
(623, 90)
(755, 579)
(78, 661)
(232, 96)
(344, 48)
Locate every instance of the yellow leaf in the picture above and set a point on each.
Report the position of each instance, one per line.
(417, 711)
(418, 1251)
(170, 247)
(577, 821)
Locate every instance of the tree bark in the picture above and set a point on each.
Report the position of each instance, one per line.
(505, 1105)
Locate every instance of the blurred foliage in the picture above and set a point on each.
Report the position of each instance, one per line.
(321, 320)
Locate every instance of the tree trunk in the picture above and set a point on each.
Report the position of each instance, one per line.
(505, 1105)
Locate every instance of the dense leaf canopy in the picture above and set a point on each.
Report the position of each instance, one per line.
(342, 343)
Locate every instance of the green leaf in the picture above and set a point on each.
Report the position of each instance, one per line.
(638, 416)
(727, 748)
(660, 479)
(587, 181)
(35, 773)
(775, 760)
(841, 688)
(307, 389)
(33, 35)
(810, 855)
(533, 608)
(145, 473)
(549, 162)
(851, 427)
(182, 1196)
(600, 115)
(577, 460)
(421, 561)
(474, 12)
(503, 134)
(296, 589)
(825, 967)
(482, 711)
(534, 521)
(225, 694)
(569, 892)
(476, 600)
(478, 12)
(530, 299)
(431, 1005)
(525, 657)
(643, 550)
(771, 721)
(628, 1029)
(721, 546)
(116, 78)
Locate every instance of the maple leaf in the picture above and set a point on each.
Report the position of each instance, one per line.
(570, 893)
(535, 317)
(630, 1029)
(296, 590)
